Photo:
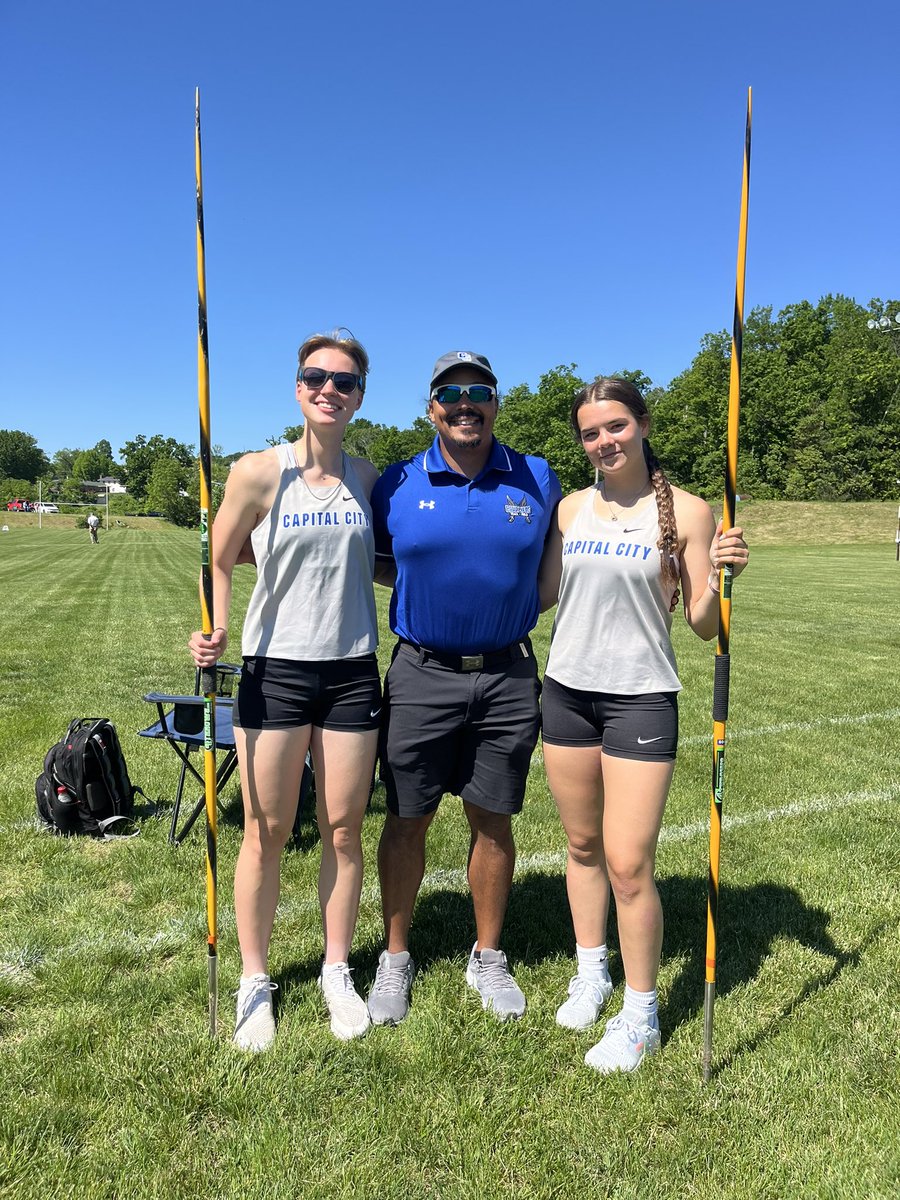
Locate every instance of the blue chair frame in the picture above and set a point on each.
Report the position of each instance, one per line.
(180, 723)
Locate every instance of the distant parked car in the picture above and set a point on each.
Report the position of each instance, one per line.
(20, 506)
(45, 508)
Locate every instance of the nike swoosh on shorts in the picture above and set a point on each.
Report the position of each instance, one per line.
(647, 741)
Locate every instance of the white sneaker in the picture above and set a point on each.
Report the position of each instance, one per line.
(254, 1027)
(623, 1047)
(587, 999)
(349, 1015)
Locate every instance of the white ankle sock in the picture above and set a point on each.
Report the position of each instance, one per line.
(639, 1008)
(593, 962)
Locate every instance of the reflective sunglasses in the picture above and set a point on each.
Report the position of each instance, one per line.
(316, 377)
(452, 393)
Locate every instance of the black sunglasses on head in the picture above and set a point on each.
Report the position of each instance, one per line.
(452, 393)
(316, 377)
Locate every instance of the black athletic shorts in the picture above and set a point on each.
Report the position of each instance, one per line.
(468, 733)
(642, 727)
(281, 693)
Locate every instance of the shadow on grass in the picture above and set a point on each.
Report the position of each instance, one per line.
(751, 919)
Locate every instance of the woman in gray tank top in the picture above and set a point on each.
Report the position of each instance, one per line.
(624, 549)
(310, 678)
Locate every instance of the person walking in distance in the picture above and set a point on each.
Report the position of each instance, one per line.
(93, 524)
(624, 549)
(310, 677)
(461, 530)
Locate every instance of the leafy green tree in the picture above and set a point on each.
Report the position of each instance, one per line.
(167, 492)
(20, 456)
(16, 489)
(568, 460)
(62, 462)
(359, 437)
(527, 419)
(141, 455)
(392, 445)
(94, 464)
(820, 406)
(688, 433)
(642, 382)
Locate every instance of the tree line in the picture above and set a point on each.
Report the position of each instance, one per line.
(820, 420)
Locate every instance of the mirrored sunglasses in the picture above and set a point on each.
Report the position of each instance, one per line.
(316, 377)
(452, 393)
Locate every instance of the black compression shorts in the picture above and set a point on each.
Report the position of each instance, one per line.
(641, 727)
(281, 693)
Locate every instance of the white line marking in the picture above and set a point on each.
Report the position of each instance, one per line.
(890, 714)
(19, 965)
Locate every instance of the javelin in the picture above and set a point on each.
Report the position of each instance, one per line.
(207, 675)
(723, 659)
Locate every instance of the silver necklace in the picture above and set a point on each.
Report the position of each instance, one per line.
(334, 491)
(622, 507)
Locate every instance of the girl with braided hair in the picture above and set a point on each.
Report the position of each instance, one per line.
(624, 548)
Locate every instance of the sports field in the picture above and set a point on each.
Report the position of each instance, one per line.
(111, 1087)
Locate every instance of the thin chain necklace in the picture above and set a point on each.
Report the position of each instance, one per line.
(334, 491)
(602, 490)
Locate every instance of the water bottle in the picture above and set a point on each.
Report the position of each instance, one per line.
(66, 812)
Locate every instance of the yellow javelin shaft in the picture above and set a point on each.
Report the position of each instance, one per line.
(207, 677)
(723, 657)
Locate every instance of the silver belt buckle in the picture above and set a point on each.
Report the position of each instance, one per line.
(471, 662)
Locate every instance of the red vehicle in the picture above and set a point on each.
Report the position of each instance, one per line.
(20, 506)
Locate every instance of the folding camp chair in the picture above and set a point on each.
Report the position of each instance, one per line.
(180, 724)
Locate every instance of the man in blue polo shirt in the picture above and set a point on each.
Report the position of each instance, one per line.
(463, 525)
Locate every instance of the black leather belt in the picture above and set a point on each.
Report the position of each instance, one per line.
(472, 662)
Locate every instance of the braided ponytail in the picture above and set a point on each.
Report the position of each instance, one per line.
(665, 504)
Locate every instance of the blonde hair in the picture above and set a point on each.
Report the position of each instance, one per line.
(339, 339)
(623, 392)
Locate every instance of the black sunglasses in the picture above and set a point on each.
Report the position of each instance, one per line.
(315, 378)
(452, 393)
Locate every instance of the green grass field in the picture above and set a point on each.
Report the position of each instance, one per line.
(111, 1087)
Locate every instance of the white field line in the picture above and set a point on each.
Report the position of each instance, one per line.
(889, 714)
(19, 964)
(737, 735)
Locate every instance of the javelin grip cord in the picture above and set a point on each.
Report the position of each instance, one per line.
(721, 681)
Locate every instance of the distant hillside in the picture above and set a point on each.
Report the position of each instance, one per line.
(771, 522)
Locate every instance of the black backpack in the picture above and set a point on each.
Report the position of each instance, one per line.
(84, 787)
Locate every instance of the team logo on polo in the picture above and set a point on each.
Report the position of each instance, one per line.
(517, 508)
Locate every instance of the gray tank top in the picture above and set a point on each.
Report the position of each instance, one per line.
(611, 632)
(315, 558)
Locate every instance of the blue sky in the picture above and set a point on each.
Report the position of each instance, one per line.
(543, 183)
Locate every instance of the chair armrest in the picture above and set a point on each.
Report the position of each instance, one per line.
(166, 698)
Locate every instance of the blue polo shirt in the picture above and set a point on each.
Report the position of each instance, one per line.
(467, 550)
